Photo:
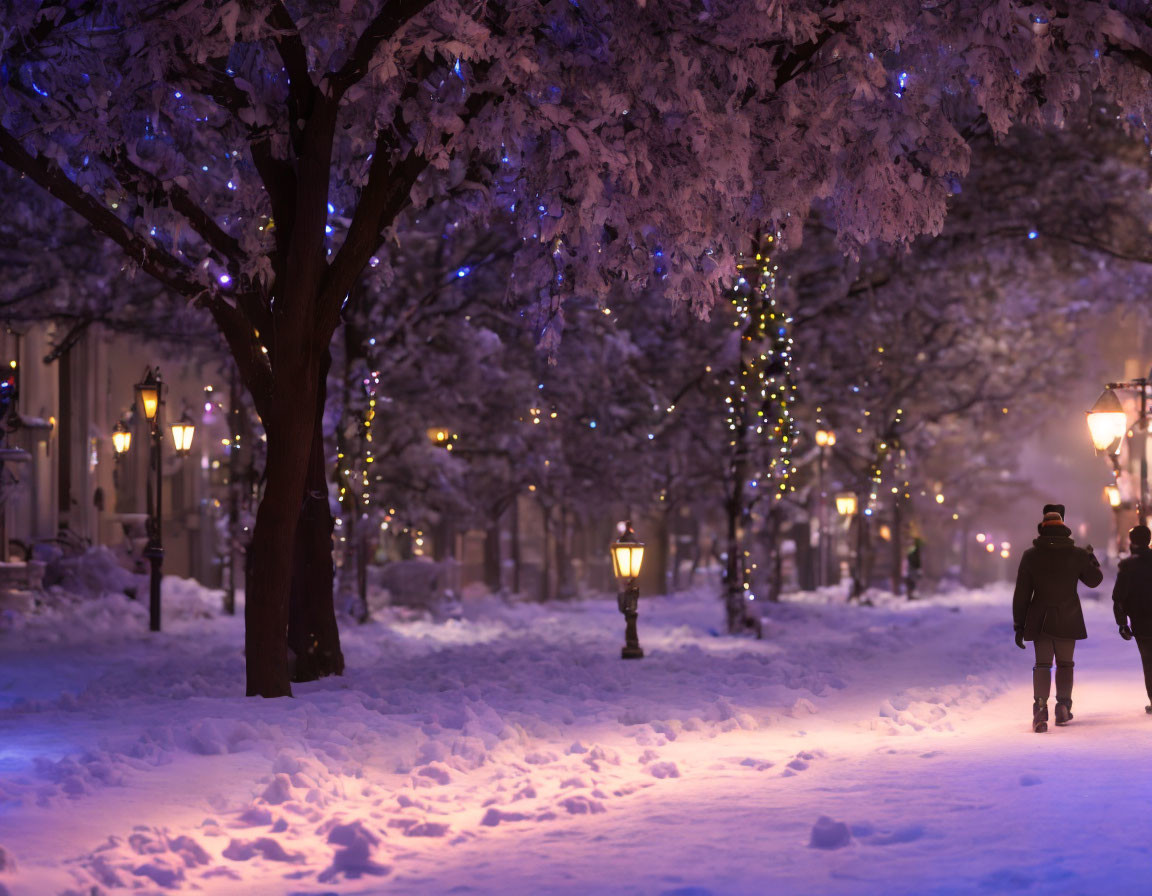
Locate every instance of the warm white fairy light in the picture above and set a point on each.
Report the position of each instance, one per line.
(759, 408)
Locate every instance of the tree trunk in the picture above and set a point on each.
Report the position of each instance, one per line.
(515, 524)
(545, 593)
(734, 568)
(269, 583)
(662, 551)
(565, 587)
(235, 409)
(492, 558)
(897, 546)
(312, 632)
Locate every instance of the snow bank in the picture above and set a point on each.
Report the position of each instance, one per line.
(511, 750)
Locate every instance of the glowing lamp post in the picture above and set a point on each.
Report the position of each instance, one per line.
(847, 506)
(1115, 501)
(627, 557)
(182, 432)
(121, 439)
(1108, 424)
(150, 394)
(825, 439)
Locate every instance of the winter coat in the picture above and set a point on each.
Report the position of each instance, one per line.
(1045, 601)
(1132, 596)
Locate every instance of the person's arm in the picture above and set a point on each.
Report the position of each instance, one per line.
(1119, 592)
(1090, 572)
(1022, 596)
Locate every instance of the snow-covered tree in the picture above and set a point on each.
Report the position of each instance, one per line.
(214, 141)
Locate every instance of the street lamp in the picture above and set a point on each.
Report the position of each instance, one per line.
(150, 393)
(627, 557)
(1107, 424)
(1115, 501)
(182, 432)
(825, 439)
(847, 505)
(121, 439)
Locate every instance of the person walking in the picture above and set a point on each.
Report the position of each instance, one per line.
(1046, 610)
(1132, 600)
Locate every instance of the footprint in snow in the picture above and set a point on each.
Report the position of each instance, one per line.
(801, 761)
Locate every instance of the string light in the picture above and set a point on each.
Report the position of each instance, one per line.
(758, 410)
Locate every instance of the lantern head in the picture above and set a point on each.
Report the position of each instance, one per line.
(182, 432)
(627, 555)
(1107, 423)
(121, 438)
(150, 391)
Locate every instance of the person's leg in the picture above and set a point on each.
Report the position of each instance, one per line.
(1145, 646)
(1042, 671)
(1041, 682)
(1064, 649)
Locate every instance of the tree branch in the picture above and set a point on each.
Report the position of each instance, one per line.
(153, 260)
(391, 18)
(276, 174)
(385, 195)
(295, 59)
(250, 359)
(144, 182)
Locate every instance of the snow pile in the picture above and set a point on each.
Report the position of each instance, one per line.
(93, 614)
(511, 750)
(95, 572)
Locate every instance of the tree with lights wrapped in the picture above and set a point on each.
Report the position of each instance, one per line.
(760, 426)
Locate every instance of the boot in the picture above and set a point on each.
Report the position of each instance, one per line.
(1039, 715)
(1063, 710)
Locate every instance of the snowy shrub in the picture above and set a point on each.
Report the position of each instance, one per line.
(94, 573)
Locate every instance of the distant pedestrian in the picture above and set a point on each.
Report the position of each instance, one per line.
(1132, 600)
(1046, 610)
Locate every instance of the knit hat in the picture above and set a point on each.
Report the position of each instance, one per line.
(1052, 518)
(1140, 535)
(1054, 508)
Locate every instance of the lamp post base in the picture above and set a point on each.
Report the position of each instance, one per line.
(629, 601)
(155, 559)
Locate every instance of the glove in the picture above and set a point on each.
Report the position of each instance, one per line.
(1125, 633)
(1091, 556)
(1020, 639)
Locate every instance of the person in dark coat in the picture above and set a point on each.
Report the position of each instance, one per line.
(1132, 600)
(1046, 610)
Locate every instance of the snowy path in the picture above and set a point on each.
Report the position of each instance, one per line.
(513, 753)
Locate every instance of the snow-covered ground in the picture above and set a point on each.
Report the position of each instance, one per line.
(854, 750)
